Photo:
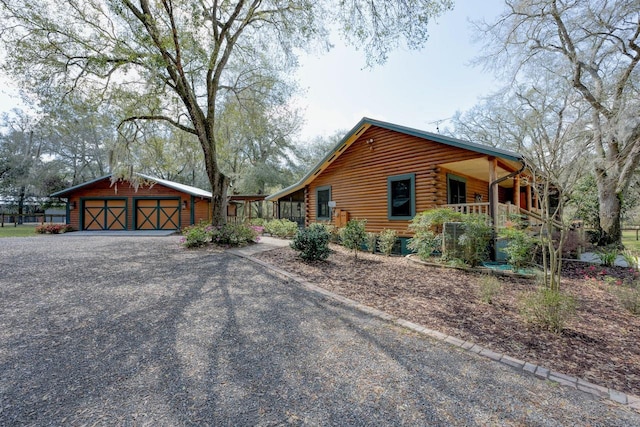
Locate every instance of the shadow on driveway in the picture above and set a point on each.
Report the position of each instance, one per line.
(131, 331)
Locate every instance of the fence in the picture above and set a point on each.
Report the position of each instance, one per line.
(41, 218)
(636, 229)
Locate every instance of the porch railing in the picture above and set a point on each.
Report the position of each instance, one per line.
(470, 208)
(505, 210)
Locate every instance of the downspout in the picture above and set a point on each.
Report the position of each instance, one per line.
(492, 213)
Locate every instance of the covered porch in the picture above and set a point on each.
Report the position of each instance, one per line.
(243, 207)
(509, 189)
(292, 207)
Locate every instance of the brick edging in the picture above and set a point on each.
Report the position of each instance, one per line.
(629, 400)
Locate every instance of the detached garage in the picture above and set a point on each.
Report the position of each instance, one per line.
(155, 204)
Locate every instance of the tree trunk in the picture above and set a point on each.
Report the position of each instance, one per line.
(261, 190)
(219, 184)
(610, 211)
(21, 197)
(555, 264)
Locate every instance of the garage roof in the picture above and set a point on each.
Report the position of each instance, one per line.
(193, 191)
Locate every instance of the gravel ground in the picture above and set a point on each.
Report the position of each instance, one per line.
(137, 331)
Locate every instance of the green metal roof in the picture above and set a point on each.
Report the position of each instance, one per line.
(478, 148)
(454, 142)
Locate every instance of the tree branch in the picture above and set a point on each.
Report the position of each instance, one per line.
(159, 118)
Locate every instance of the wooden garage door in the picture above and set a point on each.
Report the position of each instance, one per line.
(104, 214)
(157, 214)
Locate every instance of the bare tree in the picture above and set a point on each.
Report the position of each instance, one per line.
(554, 145)
(489, 123)
(545, 121)
(592, 46)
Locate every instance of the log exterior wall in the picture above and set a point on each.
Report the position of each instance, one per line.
(123, 190)
(359, 176)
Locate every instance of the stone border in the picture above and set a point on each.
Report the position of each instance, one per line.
(628, 400)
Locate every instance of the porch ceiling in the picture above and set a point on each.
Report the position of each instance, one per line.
(479, 169)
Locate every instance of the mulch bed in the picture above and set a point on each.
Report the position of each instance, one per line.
(600, 344)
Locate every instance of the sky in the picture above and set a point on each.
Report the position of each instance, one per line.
(414, 88)
(420, 89)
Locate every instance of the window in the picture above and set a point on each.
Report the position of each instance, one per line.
(456, 189)
(401, 196)
(323, 195)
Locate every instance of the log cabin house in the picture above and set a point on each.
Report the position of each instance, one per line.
(154, 204)
(386, 173)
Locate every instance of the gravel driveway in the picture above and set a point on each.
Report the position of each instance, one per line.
(102, 330)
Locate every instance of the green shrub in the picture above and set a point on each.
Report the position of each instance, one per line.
(281, 228)
(334, 232)
(260, 222)
(608, 256)
(387, 241)
(197, 235)
(520, 245)
(425, 243)
(490, 287)
(372, 238)
(433, 219)
(353, 235)
(474, 243)
(631, 258)
(257, 228)
(233, 234)
(312, 243)
(229, 234)
(549, 309)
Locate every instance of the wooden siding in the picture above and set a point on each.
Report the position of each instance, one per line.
(122, 189)
(202, 211)
(358, 178)
(474, 186)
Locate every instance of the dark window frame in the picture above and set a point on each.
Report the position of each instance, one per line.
(458, 179)
(411, 177)
(328, 210)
